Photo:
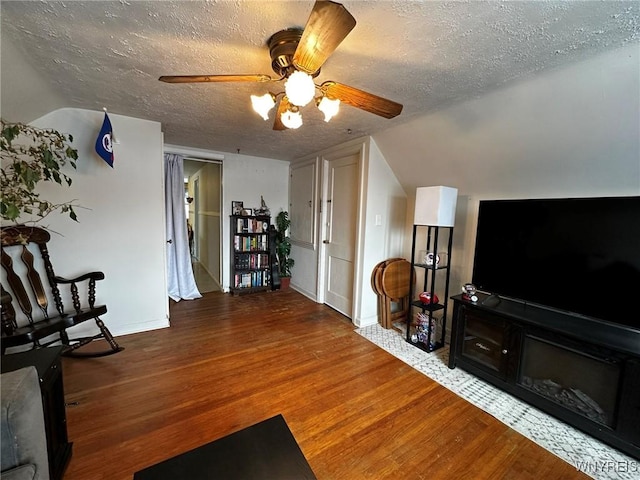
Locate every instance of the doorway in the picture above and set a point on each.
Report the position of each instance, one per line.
(203, 185)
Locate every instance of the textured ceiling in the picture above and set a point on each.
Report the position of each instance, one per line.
(426, 55)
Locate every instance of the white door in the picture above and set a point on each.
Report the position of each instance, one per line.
(340, 233)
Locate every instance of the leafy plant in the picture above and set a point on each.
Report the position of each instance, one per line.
(30, 155)
(283, 244)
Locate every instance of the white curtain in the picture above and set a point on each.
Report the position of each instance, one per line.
(182, 284)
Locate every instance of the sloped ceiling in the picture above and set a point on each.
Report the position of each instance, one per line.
(426, 55)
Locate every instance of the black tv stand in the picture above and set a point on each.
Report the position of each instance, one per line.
(491, 301)
(523, 349)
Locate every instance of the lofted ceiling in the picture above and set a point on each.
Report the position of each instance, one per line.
(426, 55)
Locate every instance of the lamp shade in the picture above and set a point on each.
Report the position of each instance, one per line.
(435, 206)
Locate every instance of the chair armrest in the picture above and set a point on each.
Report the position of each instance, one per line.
(86, 276)
(91, 294)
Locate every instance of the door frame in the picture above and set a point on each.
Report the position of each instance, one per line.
(360, 149)
(196, 218)
(204, 156)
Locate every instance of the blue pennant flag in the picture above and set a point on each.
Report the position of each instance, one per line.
(104, 146)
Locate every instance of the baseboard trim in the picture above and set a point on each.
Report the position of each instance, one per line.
(140, 327)
(306, 293)
(365, 321)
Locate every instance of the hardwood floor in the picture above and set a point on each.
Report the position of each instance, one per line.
(229, 362)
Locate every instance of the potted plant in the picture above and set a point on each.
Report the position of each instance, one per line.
(283, 249)
(30, 155)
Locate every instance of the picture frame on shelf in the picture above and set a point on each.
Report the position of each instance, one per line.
(247, 212)
(236, 207)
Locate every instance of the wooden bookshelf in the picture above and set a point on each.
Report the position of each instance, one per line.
(250, 254)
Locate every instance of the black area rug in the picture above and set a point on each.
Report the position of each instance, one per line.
(264, 451)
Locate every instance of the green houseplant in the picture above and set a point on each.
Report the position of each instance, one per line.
(283, 248)
(30, 155)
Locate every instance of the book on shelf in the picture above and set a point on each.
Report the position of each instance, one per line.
(251, 261)
(259, 278)
(242, 243)
(251, 225)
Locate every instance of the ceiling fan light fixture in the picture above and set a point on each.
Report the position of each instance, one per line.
(263, 104)
(291, 118)
(297, 56)
(300, 88)
(328, 106)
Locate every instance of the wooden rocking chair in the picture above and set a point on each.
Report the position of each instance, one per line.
(23, 290)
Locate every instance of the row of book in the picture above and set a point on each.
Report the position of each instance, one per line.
(250, 244)
(251, 225)
(259, 278)
(251, 261)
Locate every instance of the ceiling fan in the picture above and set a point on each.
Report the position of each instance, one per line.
(297, 56)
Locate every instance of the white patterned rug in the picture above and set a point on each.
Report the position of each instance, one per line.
(579, 449)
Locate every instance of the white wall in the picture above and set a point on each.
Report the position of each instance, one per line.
(20, 81)
(570, 132)
(383, 238)
(122, 230)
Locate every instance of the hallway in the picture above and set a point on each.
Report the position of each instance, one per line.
(204, 281)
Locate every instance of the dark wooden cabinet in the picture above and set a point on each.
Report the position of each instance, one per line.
(584, 372)
(251, 261)
(48, 364)
(485, 342)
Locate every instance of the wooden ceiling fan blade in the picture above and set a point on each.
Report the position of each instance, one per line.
(214, 78)
(328, 25)
(282, 107)
(361, 99)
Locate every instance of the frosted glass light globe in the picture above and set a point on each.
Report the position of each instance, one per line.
(263, 104)
(299, 88)
(329, 107)
(291, 119)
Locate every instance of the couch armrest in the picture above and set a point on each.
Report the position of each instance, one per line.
(23, 439)
(23, 472)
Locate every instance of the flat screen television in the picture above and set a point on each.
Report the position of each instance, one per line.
(580, 255)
